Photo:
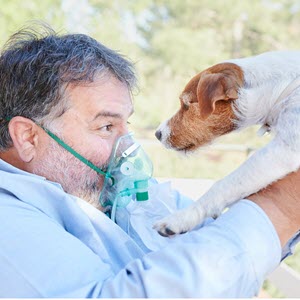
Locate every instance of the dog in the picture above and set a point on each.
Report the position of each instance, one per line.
(232, 95)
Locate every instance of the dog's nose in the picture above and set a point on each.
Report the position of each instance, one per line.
(158, 134)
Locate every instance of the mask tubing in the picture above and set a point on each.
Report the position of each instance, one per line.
(113, 210)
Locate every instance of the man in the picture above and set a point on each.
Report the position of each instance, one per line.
(54, 244)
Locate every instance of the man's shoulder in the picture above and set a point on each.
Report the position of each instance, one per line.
(17, 215)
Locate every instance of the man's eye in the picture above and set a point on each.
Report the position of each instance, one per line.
(107, 127)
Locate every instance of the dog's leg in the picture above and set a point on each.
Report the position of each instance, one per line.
(267, 165)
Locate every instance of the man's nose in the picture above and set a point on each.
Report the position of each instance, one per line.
(158, 134)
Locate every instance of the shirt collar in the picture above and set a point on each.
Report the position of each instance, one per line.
(6, 167)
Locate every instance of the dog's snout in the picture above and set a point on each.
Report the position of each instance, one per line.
(158, 134)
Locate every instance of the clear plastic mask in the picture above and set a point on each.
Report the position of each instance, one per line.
(127, 175)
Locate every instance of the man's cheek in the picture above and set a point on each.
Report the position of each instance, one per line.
(102, 153)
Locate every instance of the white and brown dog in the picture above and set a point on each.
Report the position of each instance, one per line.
(232, 95)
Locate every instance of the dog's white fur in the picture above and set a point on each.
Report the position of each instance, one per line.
(270, 95)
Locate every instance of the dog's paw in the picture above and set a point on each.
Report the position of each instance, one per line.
(168, 226)
(179, 222)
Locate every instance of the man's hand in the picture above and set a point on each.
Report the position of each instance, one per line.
(281, 202)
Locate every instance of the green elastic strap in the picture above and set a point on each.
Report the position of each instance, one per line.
(71, 150)
(76, 154)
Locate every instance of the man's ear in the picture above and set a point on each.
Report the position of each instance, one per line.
(24, 134)
(214, 87)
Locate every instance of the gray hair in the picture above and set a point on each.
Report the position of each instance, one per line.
(37, 65)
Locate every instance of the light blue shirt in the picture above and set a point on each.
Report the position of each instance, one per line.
(55, 245)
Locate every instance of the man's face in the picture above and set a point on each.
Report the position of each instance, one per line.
(97, 115)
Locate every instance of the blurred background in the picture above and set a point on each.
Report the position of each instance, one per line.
(169, 42)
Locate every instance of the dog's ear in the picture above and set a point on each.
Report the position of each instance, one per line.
(189, 94)
(213, 87)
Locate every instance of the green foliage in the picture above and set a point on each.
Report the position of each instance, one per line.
(294, 260)
(271, 290)
(17, 13)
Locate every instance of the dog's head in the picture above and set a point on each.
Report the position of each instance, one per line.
(206, 110)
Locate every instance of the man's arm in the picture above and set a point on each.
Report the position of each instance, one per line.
(281, 202)
(229, 257)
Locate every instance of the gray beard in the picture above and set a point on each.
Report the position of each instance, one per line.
(74, 176)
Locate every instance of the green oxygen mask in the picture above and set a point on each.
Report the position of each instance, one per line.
(127, 175)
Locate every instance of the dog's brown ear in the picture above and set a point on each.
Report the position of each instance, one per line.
(213, 87)
(189, 94)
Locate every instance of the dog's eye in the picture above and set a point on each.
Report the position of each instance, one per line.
(185, 106)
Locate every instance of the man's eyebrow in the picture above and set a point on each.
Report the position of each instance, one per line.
(104, 114)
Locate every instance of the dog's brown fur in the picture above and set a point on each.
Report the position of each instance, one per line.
(206, 102)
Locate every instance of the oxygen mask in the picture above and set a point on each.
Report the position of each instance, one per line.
(127, 175)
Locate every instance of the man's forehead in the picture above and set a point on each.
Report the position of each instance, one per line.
(101, 99)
